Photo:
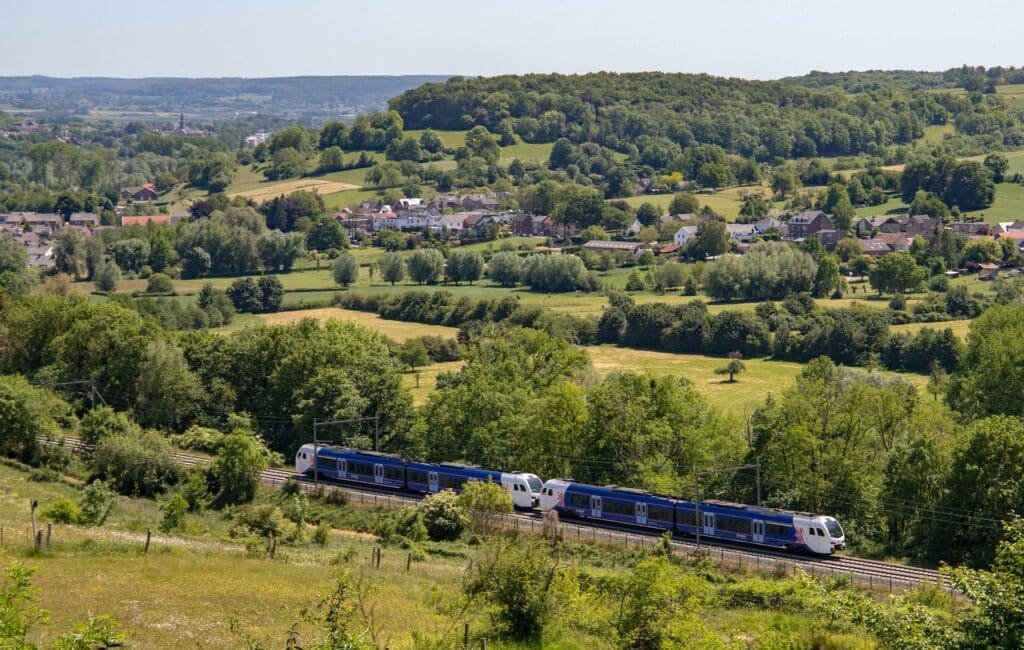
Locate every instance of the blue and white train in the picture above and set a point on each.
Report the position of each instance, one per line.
(719, 520)
(390, 471)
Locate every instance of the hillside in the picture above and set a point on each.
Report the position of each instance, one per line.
(790, 118)
(276, 96)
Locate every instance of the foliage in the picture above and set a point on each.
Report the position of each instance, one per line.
(523, 580)
(768, 272)
(425, 265)
(897, 273)
(61, 511)
(107, 277)
(483, 502)
(237, 470)
(345, 269)
(136, 464)
(505, 268)
(262, 296)
(392, 267)
(732, 367)
(26, 413)
(443, 515)
(465, 266)
(997, 620)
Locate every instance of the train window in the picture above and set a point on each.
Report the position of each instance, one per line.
(686, 517)
(393, 473)
(821, 532)
(579, 500)
(811, 531)
(416, 476)
(777, 530)
(659, 514)
(325, 463)
(732, 525)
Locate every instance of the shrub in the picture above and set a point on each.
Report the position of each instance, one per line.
(199, 438)
(443, 516)
(159, 283)
(262, 520)
(62, 511)
(483, 502)
(238, 467)
(96, 503)
(101, 422)
(136, 464)
(174, 508)
(939, 283)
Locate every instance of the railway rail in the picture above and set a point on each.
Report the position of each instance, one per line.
(875, 574)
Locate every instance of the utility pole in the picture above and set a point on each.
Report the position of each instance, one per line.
(696, 488)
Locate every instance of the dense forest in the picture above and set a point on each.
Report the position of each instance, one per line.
(764, 120)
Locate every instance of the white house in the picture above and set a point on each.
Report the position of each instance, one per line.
(684, 235)
(741, 232)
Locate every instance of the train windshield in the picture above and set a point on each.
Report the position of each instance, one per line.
(534, 483)
(834, 529)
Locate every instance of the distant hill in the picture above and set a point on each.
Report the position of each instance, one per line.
(296, 97)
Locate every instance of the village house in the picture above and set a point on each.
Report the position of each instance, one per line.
(988, 271)
(684, 235)
(764, 224)
(810, 222)
(84, 219)
(741, 232)
(600, 246)
(895, 241)
(141, 194)
(972, 228)
(874, 247)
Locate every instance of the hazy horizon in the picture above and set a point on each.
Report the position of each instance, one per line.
(735, 38)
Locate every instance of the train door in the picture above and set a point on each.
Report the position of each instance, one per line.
(378, 473)
(641, 514)
(757, 531)
(432, 482)
(595, 506)
(709, 523)
(342, 467)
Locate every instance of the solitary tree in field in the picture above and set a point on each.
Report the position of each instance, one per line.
(733, 367)
(345, 270)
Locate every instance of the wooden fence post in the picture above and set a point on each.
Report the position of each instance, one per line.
(39, 539)
(149, 533)
(465, 637)
(49, 532)
(408, 562)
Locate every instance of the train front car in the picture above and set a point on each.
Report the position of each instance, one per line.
(524, 487)
(304, 460)
(819, 534)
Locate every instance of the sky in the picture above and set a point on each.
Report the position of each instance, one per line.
(262, 38)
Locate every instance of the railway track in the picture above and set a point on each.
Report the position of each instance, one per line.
(872, 573)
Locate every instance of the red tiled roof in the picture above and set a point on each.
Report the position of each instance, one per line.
(143, 220)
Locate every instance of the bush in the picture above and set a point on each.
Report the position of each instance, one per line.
(262, 520)
(104, 421)
(939, 283)
(136, 464)
(96, 503)
(443, 516)
(555, 273)
(159, 283)
(199, 438)
(174, 508)
(62, 511)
